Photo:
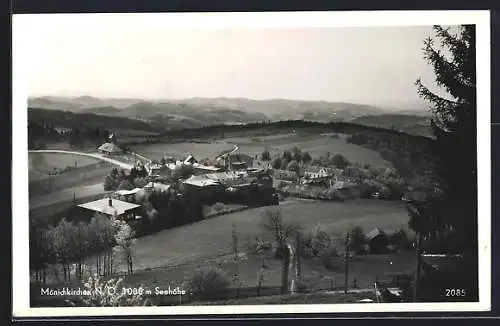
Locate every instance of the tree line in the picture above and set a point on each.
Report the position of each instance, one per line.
(72, 243)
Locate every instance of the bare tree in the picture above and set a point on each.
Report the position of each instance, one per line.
(125, 241)
(273, 224)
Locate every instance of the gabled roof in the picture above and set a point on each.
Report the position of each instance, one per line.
(110, 147)
(190, 159)
(127, 192)
(200, 182)
(374, 233)
(206, 167)
(102, 206)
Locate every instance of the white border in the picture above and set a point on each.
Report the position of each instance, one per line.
(20, 46)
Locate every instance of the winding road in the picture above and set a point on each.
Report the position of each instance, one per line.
(223, 156)
(99, 156)
(67, 194)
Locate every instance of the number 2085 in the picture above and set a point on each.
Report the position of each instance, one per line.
(455, 292)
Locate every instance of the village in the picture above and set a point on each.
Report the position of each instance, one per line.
(233, 178)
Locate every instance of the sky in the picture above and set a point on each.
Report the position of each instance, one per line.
(106, 57)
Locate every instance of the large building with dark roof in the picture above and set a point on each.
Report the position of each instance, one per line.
(112, 207)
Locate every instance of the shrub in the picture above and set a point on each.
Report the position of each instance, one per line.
(315, 243)
(257, 245)
(293, 166)
(333, 194)
(266, 156)
(340, 161)
(140, 182)
(109, 183)
(209, 283)
(125, 185)
(306, 157)
(218, 207)
(357, 239)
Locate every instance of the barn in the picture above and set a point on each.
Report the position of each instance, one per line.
(377, 241)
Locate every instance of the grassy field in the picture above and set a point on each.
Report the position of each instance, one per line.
(202, 240)
(76, 178)
(316, 145)
(171, 256)
(43, 163)
(181, 150)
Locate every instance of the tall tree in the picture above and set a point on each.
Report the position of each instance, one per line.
(454, 126)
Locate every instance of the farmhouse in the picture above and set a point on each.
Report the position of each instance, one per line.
(377, 241)
(113, 207)
(110, 149)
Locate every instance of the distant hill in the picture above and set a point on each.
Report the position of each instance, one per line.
(75, 104)
(66, 119)
(105, 110)
(411, 124)
(282, 109)
(198, 112)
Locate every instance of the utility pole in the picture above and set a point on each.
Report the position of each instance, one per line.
(346, 261)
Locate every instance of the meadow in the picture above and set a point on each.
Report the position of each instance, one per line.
(169, 257)
(315, 144)
(69, 171)
(45, 163)
(212, 237)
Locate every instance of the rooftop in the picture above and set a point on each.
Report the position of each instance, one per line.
(190, 159)
(110, 147)
(374, 233)
(206, 167)
(200, 182)
(117, 207)
(127, 192)
(158, 186)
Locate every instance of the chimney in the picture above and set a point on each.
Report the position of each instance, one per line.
(110, 202)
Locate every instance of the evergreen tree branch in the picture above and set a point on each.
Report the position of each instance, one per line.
(448, 74)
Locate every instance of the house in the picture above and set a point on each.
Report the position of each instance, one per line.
(190, 160)
(228, 178)
(112, 207)
(203, 169)
(318, 172)
(110, 149)
(377, 241)
(127, 195)
(239, 165)
(157, 187)
(159, 170)
(284, 175)
(200, 182)
(202, 186)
